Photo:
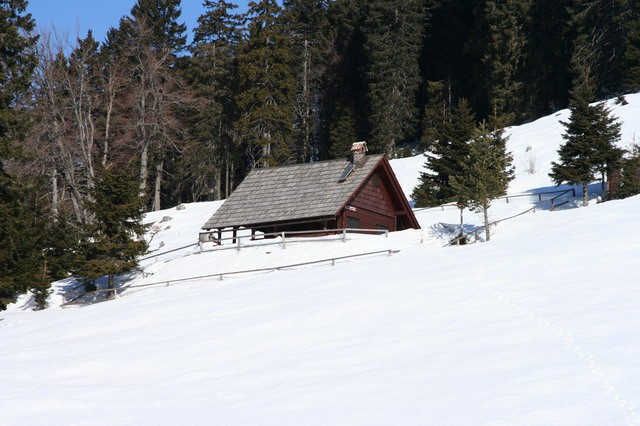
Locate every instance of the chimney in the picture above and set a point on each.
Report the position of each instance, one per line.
(358, 150)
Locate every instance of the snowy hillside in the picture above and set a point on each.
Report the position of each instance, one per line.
(539, 326)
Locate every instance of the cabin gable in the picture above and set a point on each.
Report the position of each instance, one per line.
(378, 203)
(371, 206)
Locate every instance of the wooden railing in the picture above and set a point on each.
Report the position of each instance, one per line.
(476, 230)
(560, 193)
(340, 234)
(109, 294)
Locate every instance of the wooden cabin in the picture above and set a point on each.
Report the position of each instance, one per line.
(360, 193)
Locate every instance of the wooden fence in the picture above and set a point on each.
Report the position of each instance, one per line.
(103, 295)
(339, 234)
(476, 230)
(539, 195)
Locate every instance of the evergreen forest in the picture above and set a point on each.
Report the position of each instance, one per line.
(94, 133)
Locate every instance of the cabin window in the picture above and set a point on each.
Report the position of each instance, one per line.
(353, 222)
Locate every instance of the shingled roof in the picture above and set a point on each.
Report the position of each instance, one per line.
(292, 193)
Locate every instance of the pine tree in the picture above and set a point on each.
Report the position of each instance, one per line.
(607, 155)
(267, 85)
(548, 54)
(161, 16)
(306, 21)
(435, 115)
(630, 181)
(590, 135)
(505, 56)
(213, 73)
(21, 262)
(114, 240)
(61, 242)
(393, 31)
(631, 74)
(451, 53)
(486, 173)
(599, 44)
(17, 63)
(342, 133)
(344, 113)
(447, 159)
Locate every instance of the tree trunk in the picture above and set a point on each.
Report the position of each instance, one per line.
(218, 187)
(111, 286)
(144, 158)
(158, 187)
(54, 194)
(306, 113)
(485, 212)
(227, 185)
(603, 190)
(109, 111)
(585, 196)
(461, 224)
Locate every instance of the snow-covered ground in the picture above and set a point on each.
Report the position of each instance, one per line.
(539, 326)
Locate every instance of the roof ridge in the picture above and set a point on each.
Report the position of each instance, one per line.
(282, 166)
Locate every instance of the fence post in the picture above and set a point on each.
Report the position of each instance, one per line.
(386, 233)
(238, 243)
(507, 198)
(284, 245)
(344, 235)
(333, 262)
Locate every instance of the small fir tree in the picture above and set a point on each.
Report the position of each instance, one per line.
(115, 237)
(446, 159)
(630, 180)
(590, 135)
(486, 173)
(22, 225)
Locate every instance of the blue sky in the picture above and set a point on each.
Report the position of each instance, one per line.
(76, 17)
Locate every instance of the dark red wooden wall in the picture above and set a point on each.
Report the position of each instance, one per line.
(371, 206)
